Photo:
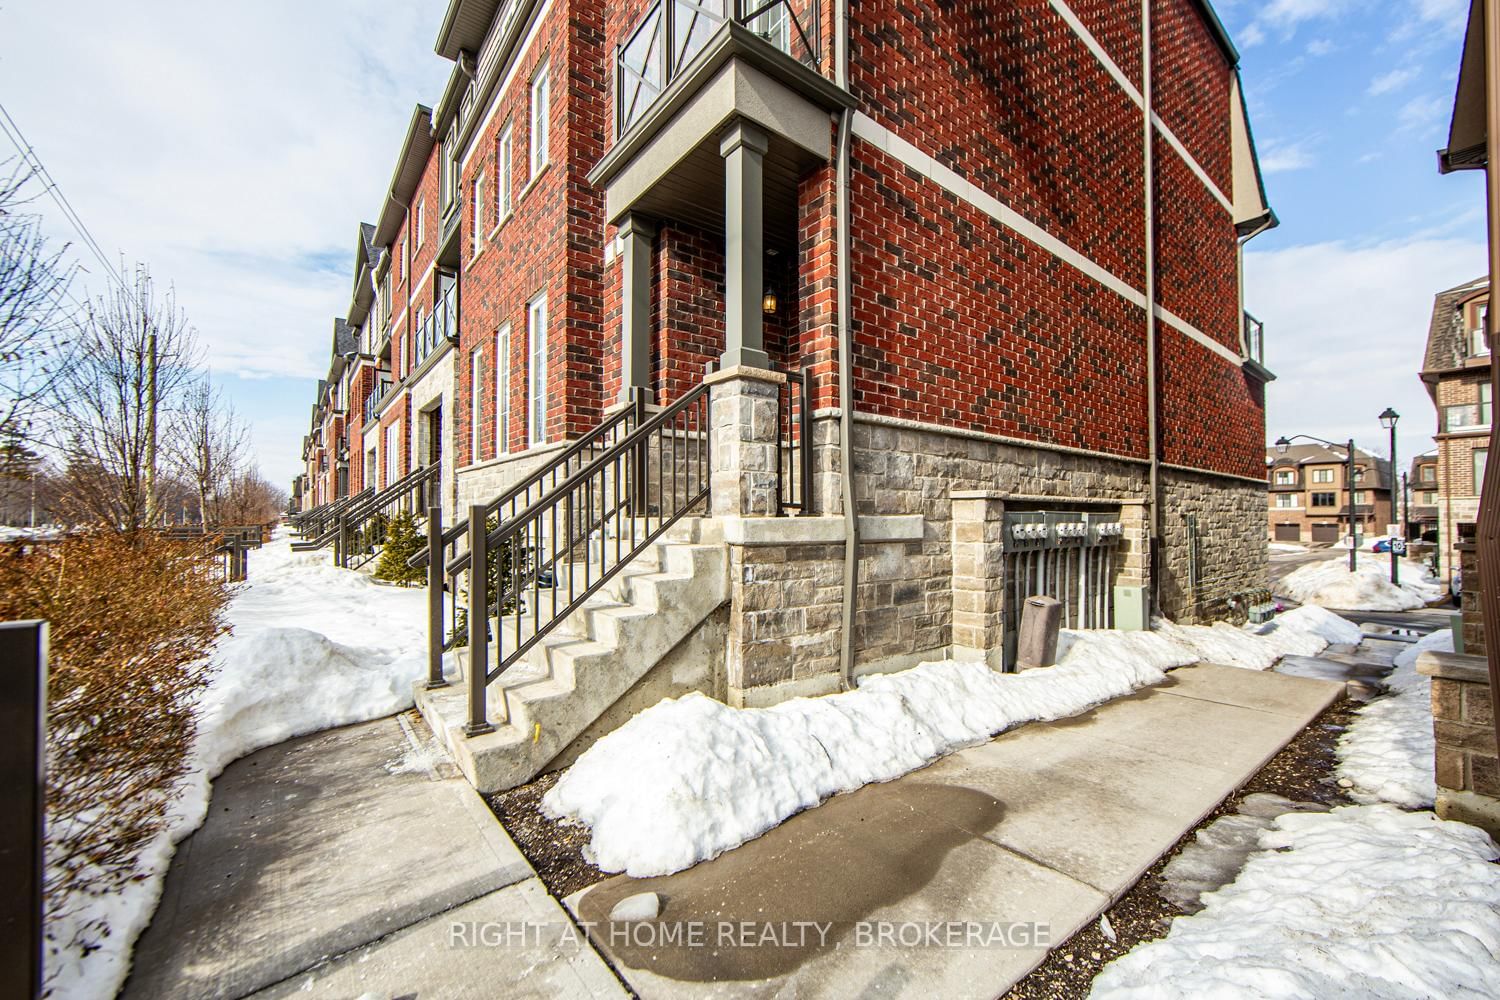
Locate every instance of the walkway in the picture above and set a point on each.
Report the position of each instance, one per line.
(984, 859)
(354, 862)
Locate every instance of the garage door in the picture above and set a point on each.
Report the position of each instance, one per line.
(1325, 532)
(1289, 532)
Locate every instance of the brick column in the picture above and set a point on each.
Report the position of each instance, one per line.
(743, 479)
(978, 577)
(1466, 765)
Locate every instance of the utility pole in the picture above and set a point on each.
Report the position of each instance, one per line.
(1353, 511)
(150, 415)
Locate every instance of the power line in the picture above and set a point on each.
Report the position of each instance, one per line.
(54, 191)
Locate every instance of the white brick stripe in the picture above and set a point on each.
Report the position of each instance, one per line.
(1112, 68)
(882, 138)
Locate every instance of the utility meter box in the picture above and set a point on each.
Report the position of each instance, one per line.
(1025, 532)
(1132, 608)
(1069, 529)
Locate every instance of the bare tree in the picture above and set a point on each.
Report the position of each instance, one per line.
(205, 445)
(135, 356)
(251, 499)
(35, 312)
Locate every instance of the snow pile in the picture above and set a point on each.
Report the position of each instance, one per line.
(1387, 751)
(1305, 631)
(311, 647)
(1286, 547)
(690, 778)
(1369, 588)
(1364, 901)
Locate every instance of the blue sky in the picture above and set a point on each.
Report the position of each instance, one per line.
(237, 157)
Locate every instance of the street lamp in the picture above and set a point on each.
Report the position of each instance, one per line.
(1388, 421)
(1284, 442)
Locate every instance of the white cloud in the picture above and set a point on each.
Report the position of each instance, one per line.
(234, 148)
(1425, 116)
(1319, 47)
(1394, 80)
(1345, 330)
(1280, 157)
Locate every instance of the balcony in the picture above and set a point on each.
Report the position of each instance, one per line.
(1255, 340)
(439, 327)
(373, 401)
(674, 32)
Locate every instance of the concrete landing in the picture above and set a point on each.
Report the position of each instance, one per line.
(347, 847)
(955, 880)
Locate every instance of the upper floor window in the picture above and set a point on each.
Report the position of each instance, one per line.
(1285, 477)
(1429, 474)
(479, 216)
(421, 222)
(1481, 457)
(541, 94)
(1325, 500)
(1479, 345)
(448, 175)
(1286, 499)
(1361, 497)
(401, 264)
(1322, 475)
(502, 390)
(504, 179)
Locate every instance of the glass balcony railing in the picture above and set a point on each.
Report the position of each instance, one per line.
(673, 32)
(373, 400)
(441, 325)
(1255, 340)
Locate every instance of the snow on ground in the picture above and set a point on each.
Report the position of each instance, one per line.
(311, 647)
(1286, 547)
(1387, 751)
(1364, 901)
(1331, 585)
(690, 778)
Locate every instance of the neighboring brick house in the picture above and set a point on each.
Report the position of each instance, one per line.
(1456, 371)
(1044, 308)
(1422, 497)
(1308, 494)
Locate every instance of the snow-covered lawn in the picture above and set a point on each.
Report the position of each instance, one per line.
(311, 647)
(1286, 547)
(690, 778)
(1330, 584)
(1387, 752)
(1365, 901)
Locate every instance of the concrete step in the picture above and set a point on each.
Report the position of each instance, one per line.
(571, 676)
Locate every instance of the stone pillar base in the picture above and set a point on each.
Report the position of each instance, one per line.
(1467, 764)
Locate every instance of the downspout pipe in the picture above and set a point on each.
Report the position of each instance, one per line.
(845, 356)
(1153, 430)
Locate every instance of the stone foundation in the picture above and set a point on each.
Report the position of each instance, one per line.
(1463, 723)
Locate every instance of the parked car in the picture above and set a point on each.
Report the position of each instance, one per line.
(1381, 545)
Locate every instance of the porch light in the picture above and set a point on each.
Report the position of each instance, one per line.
(768, 301)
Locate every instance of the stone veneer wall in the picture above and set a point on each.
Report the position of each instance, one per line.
(790, 596)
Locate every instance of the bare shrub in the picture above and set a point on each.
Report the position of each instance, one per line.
(132, 621)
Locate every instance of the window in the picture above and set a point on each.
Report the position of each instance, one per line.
(1324, 500)
(401, 264)
(476, 366)
(1479, 346)
(1429, 497)
(1285, 477)
(1480, 457)
(421, 221)
(392, 453)
(1485, 399)
(448, 176)
(541, 93)
(479, 219)
(1322, 475)
(1429, 473)
(536, 369)
(1460, 416)
(502, 390)
(1362, 498)
(504, 180)
(1286, 499)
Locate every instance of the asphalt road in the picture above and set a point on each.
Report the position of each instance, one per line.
(1422, 621)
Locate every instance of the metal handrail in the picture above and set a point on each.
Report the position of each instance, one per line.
(626, 417)
(407, 490)
(319, 516)
(593, 510)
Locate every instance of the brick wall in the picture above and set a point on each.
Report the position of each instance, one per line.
(1191, 80)
(1212, 413)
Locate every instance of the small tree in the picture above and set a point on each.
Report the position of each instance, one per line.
(401, 543)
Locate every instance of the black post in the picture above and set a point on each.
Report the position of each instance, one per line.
(435, 598)
(479, 623)
(1395, 559)
(639, 461)
(23, 713)
(805, 430)
(340, 545)
(1353, 511)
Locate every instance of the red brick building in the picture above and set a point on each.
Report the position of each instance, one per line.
(1038, 306)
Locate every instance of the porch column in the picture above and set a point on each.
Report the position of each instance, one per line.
(638, 235)
(743, 147)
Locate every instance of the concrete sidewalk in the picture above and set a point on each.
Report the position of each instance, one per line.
(1021, 841)
(348, 863)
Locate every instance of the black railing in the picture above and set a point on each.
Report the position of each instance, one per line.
(563, 548)
(439, 326)
(794, 439)
(673, 32)
(360, 532)
(377, 396)
(317, 521)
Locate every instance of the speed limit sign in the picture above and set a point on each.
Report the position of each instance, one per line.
(1398, 546)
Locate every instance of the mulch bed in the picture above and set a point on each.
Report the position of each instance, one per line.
(554, 849)
(1303, 771)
